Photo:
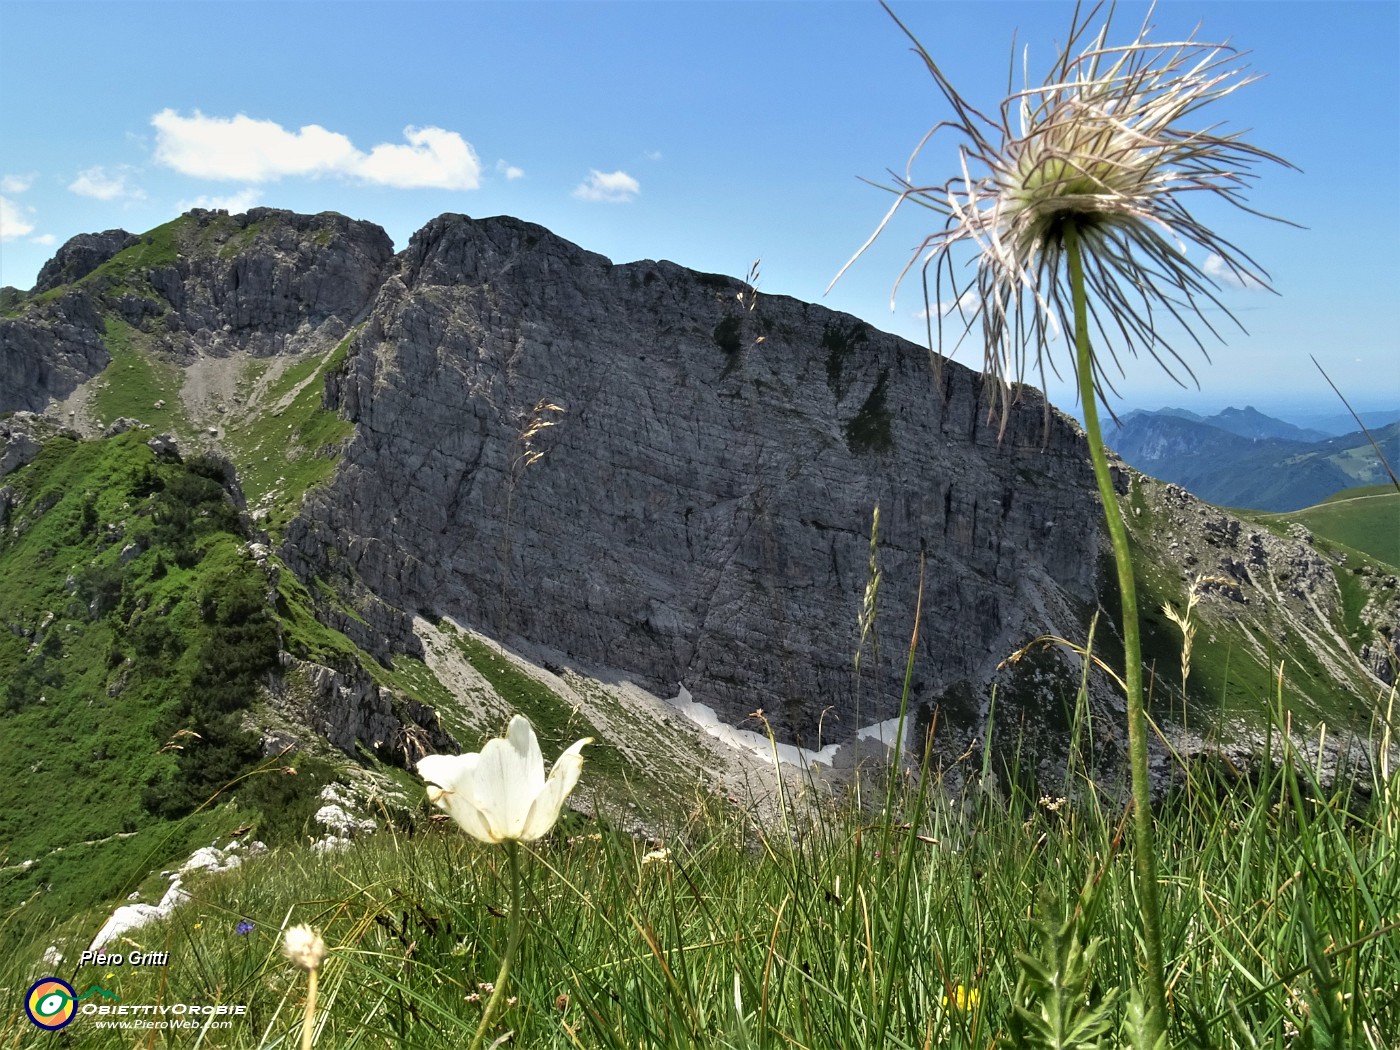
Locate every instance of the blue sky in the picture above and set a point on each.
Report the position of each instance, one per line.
(708, 133)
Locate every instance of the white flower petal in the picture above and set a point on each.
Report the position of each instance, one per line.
(451, 777)
(522, 738)
(544, 812)
(501, 793)
(496, 779)
(469, 818)
(446, 771)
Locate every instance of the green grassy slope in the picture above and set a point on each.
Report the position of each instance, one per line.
(137, 633)
(1365, 519)
(293, 444)
(1246, 630)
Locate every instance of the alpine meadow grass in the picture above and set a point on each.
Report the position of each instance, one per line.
(991, 919)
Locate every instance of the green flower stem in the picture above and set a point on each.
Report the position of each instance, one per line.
(512, 943)
(1144, 853)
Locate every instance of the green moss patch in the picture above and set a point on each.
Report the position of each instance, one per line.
(839, 343)
(869, 429)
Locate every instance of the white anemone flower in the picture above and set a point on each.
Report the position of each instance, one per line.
(501, 794)
(1107, 145)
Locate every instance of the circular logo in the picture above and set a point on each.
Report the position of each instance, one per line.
(51, 1003)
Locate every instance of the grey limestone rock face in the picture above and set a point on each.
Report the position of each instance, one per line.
(265, 282)
(80, 255)
(48, 351)
(350, 710)
(699, 511)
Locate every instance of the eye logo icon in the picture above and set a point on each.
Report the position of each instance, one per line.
(51, 1003)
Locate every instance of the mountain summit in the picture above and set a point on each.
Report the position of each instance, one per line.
(637, 471)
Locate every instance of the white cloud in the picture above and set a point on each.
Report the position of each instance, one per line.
(13, 221)
(103, 185)
(1218, 270)
(44, 238)
(246, 149)
(433, 159)
(510, 171)
(241, 148)
(968, 302)
(234, 203)
(616, 186)
(15, 183)
(653, 154)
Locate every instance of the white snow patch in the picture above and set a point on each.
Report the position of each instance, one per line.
(747, 740)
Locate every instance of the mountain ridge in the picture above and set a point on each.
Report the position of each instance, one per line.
(1242, 458)
(698, 509)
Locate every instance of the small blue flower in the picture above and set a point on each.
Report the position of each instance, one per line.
(243, 928)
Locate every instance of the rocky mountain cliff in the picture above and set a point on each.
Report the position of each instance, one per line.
(699, 512)
(636, 471)
(267, 282)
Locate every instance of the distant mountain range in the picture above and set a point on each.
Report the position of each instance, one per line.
(1244, 458)
(1335, 424)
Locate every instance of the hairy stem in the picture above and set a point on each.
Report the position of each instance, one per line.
(1144, 852)
(512, 943)
(308, 1017)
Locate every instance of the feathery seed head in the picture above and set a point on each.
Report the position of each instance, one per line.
(1103, 145)
(304, 946)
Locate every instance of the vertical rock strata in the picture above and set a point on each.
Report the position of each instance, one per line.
(700, 510)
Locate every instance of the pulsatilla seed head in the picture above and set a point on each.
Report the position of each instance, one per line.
(1109, 144)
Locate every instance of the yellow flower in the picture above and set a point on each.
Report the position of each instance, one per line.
(501, 794)
(964, 998)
